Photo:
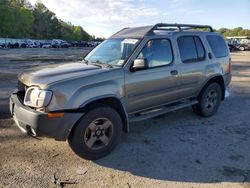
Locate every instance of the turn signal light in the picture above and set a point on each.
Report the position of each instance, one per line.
(53, 115)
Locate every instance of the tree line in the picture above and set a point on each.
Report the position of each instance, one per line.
(19, 19)
(239, 31)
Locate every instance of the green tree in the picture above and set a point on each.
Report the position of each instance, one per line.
(46, 25)
(70, 32)
(7, 19)
(66, 31)
(18, 19)
(25, 23)
(77, 33)
(223, 30)
(85, 35)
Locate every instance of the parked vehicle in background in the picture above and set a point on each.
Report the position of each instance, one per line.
(31, 44)
(56, 43)
(136, 74)
(232, 47)
(65, 45)
(96, 43)
(13, 45)
(22, 45)
(242, 43)
(245, 40)
(2, 45)
(83, 44)
(34, 43)
(46, 45)
(243, 47)
(73, 43)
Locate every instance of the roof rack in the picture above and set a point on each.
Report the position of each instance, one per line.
(178, 27)
(140, 32)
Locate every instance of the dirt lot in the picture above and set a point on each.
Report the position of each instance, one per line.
(179, 149)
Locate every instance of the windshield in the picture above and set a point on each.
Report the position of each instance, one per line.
(112, 51)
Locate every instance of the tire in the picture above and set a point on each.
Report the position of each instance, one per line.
(97, 133)
(241, 48)
(209, 100)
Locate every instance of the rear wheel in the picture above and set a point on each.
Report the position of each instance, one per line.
(97, 133)
(209, 100)
(241, 48)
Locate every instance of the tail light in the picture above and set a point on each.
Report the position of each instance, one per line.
(230, 65)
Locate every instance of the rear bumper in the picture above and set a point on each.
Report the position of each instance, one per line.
(38, 123)
(227, 79)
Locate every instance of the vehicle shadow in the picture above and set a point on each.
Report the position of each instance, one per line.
(181, 146)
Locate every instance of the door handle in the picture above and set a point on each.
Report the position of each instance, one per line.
(210, 55)
(173, 72)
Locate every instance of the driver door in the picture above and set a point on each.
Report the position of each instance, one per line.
(156, 85)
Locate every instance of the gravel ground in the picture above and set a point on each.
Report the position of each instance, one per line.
(14, 61)
(179, 149)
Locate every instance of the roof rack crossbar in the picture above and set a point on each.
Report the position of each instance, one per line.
(179, 27)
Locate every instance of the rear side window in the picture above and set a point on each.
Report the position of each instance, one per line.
(217, 45)
(191, 49)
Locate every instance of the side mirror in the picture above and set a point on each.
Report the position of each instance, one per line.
(140, 64)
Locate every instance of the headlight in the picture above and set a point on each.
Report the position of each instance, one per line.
(37, 98)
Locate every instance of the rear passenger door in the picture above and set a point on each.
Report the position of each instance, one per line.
(193, 60)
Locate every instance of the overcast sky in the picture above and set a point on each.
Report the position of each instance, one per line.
(104, 17)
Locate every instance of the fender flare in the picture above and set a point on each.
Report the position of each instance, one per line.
(222, 84)
(122, 104)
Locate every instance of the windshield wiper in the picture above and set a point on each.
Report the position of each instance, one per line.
(101, 64)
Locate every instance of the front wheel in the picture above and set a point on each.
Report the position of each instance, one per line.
(97, 133)
(209, 100)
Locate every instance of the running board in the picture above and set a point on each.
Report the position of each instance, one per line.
(161, 110)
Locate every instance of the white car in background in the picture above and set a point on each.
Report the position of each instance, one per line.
(46, 45)
(31, 44)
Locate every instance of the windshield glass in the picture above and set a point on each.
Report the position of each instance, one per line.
(112, 51)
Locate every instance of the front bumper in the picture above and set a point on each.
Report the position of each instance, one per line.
(38, 123)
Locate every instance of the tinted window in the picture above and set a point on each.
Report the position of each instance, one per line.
(187, 48)
(200, 48)
(217, 45)
(157, 52)
(191, 49)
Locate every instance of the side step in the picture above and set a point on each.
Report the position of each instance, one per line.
(161, 110)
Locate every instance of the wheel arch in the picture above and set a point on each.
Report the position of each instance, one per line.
(111, 101)
(216, 79)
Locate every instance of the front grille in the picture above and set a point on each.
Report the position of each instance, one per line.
(20, 86)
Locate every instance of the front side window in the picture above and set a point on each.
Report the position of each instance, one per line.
(217, 45)
(157, 52)
(191, 49)
(112, 51)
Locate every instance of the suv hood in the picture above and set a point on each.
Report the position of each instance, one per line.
(49, 74)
